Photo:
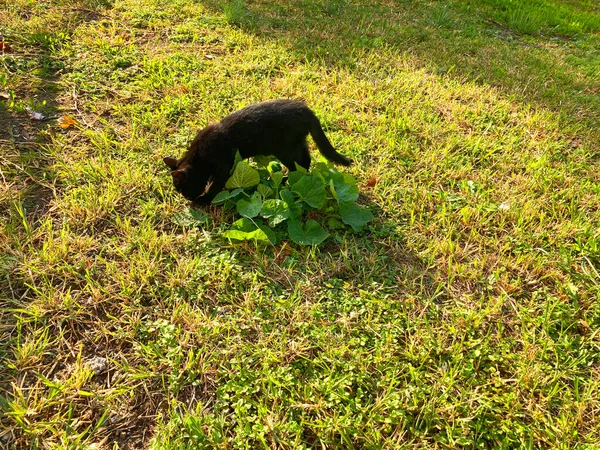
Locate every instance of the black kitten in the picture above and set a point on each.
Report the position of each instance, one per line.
(277, 128)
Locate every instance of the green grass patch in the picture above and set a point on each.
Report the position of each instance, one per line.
(464, 315)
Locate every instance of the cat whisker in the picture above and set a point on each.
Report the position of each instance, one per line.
(206, 189)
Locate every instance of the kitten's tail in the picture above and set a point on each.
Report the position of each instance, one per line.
(325, 147)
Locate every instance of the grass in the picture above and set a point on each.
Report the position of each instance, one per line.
(466, 317)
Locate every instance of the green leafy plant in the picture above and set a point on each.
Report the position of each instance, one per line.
(273, 205)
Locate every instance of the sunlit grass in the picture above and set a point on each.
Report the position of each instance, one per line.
(466, 317)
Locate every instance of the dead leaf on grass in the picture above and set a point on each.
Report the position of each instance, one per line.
(284, 252)
(372, 182)
(66, 122)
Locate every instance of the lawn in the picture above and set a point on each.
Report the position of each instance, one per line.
(465, 315)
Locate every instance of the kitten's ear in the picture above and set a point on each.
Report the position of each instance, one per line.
(170, 162)
(179, 175)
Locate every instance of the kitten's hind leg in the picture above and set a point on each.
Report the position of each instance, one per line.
(298, 154)
(303, 155)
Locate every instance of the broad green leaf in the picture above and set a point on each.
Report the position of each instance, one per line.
(299, 168)
(263, 174)
(264, 190)
(335, 224)
(268, 232)
(221, 197)
(344, 188)
(250, 208)
(294, 207)
(321, 177)
(327, 172)
(244, 176)
(256, 235)
(262, 160)
(236, 192)
(277, 178)
(238, 158)
(312, 233)
(190, 217)
(244, 224)
(275, 210)
(312, 190)
(274, 167)
(248, 230)
(354, 215)
(332, 189)
(294, 177)
(322, 168)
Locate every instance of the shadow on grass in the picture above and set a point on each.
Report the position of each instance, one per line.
(518, 48)
(30, 83)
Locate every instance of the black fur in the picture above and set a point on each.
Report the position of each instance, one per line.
(277, 128)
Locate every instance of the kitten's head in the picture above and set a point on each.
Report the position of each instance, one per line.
(197, 182)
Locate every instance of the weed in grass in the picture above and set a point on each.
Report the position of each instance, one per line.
(236, 13)
(265, 201)
(442, 18)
